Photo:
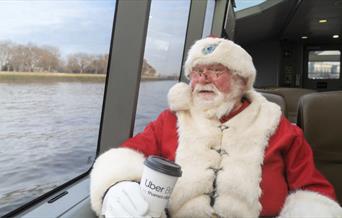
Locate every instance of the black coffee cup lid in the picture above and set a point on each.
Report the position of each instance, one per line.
(163, 165)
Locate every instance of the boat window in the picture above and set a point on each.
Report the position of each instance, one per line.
(53, 62)
(324, 64)
(162, 59)
(208, 20)
(243, 4)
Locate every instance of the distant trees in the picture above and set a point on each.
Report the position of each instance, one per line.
(148, 70)
(85, 63)
(48, 59)
(5, 55)
(32, 58)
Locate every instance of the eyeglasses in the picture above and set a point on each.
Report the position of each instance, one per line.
(212, 73)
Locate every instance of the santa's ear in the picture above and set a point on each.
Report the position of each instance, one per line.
(242, 81)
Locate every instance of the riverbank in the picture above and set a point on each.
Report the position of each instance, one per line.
(45, 76)
(63, 77)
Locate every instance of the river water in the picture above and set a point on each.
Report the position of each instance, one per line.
(49, 133)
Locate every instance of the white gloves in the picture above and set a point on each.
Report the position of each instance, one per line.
(125, 200)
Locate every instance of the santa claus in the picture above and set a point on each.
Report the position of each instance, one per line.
(239, 155)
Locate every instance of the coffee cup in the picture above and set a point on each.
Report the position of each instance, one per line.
(159, 177)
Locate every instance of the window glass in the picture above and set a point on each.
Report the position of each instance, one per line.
(208, 20)
(53, 61)
(324, 64)
(163, 57)
(243, 4)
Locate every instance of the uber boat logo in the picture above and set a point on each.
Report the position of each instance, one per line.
(209, 48)
(149, 184)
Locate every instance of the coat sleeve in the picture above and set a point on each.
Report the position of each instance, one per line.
(311, 195)
(148, 142)
(126, 162)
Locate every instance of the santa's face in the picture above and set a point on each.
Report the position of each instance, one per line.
(215, 88)
(216, 76)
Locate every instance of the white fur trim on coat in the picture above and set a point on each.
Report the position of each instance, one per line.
(241, 141)
(179, 96)
(222, 51)
(305, 204)
(113, 166)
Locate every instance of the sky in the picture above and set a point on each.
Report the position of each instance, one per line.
(86, 26)
(70, 25)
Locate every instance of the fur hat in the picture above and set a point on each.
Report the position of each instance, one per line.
(221, 51)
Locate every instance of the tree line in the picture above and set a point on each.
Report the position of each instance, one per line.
(32, 58)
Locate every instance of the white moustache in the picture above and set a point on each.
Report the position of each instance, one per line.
(208, 87)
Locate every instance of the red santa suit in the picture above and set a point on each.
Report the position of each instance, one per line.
(255, 163)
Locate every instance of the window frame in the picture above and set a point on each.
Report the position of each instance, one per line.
(117, 118)
(110, 109)
(308, 60)
(319, 84)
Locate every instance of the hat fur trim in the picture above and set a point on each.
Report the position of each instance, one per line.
(221, 51)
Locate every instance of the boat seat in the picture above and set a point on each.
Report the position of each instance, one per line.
(320, 118)
(291, 96)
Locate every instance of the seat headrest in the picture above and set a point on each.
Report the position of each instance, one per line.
(291, 96)
(320, 118)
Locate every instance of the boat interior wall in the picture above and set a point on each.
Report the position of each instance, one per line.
(229, 24)
(286, 22)
(305, 21)
(291, 96)
(74, 203)
(266, 58)
(291, 65)
(124, 58)
(81, 210)
(218, 20)
(263, 21)
(324, 133)
(196, 21)
(290, 20)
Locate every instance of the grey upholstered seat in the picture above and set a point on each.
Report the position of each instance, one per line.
(320, 118)
(291, 96)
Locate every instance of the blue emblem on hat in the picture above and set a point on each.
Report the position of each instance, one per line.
(209, 49)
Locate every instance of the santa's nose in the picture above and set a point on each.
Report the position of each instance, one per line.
(204, 78)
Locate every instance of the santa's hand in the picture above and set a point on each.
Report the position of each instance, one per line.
(125, 200)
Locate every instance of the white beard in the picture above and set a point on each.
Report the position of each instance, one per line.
(220, 104)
